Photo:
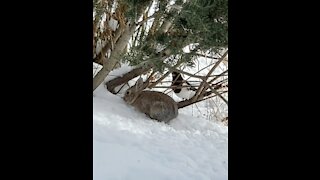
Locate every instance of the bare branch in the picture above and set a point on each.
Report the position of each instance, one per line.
(206, 56)
(189, 74)
(222, 74)
(208, 97)
(201, 89)
(172, 86)
(146, 19)
(188, 102)
(165, 75)
(217, 93)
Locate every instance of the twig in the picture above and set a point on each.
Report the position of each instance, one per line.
(172, 86)
(165, 75)
(206, 56)
(217, 93)
(190, 102)
(146, 19)
(222, 74)
(223, 92)
(189, 74)
(201, 89)
(121, 88)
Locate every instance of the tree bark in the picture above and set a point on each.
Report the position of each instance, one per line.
(112, 84)
(114, 57)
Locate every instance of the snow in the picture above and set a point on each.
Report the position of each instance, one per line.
(129, 146)
(113, 24)
(185, 92)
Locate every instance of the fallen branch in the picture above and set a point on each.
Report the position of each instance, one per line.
(112, 84)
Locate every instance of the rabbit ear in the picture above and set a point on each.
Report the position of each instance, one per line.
(139, 85)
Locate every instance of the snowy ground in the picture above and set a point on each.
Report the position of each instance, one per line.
(130, 146)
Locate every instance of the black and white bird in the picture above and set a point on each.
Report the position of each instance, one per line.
(182, 88)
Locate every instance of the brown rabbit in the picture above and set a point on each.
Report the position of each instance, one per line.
(155, 104)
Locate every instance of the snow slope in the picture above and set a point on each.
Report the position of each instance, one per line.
(130, 146)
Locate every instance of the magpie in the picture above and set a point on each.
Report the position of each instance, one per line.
(182, 88)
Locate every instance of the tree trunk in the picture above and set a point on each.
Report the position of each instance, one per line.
(114, 57)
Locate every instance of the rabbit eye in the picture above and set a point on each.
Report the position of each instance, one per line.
(127, 92)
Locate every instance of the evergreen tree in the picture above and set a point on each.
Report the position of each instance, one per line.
(157, 39)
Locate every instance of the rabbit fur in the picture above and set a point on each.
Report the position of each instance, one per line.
(156, 105)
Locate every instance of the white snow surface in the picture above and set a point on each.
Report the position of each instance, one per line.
(128, 145)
